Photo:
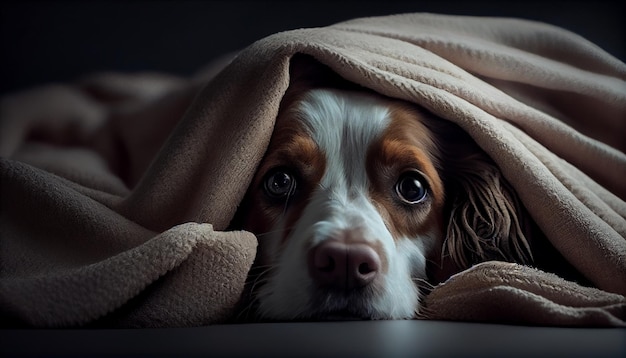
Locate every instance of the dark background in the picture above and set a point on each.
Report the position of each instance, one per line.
(46, 41)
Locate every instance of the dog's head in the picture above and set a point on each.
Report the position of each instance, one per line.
(346, 203)
(357, 196)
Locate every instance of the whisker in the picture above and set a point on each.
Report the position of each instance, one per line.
(281, 230)
(259, 275)
(425, 287)
(247, 312)
(254, 277)
(423, 312)
(289, 195)
(259, 280)
(259, 272)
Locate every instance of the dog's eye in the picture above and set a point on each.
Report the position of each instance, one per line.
(411, 187)
(280, 183)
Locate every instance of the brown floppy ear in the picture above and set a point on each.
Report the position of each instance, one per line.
(485, 219)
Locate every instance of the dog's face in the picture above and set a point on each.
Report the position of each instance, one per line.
(347, 205)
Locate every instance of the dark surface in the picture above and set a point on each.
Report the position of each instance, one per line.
(331, 339)
(44, 41)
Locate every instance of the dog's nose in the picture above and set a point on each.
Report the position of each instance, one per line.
(342, 265)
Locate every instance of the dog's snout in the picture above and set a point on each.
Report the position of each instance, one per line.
(343, 265)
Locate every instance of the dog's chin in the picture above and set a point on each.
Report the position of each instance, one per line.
(348, 313)
(357, 305)
(342, 315)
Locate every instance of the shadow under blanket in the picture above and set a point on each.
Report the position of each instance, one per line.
(117, 190)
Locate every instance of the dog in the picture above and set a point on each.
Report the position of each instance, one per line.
(363, 202)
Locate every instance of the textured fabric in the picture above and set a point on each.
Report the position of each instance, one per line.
(106, 182)
(509, 293)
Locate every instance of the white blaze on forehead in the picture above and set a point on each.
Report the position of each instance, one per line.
(344, 124)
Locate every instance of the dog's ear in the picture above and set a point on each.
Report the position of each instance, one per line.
(485, 218)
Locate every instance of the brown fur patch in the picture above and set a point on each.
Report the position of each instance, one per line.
(292, 148)
(406, 145)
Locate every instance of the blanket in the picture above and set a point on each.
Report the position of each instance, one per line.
(117, 190)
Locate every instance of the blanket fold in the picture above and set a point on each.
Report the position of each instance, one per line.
(495, 292)
(117, 191)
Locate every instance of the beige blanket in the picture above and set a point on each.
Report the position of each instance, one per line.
(117, 190)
